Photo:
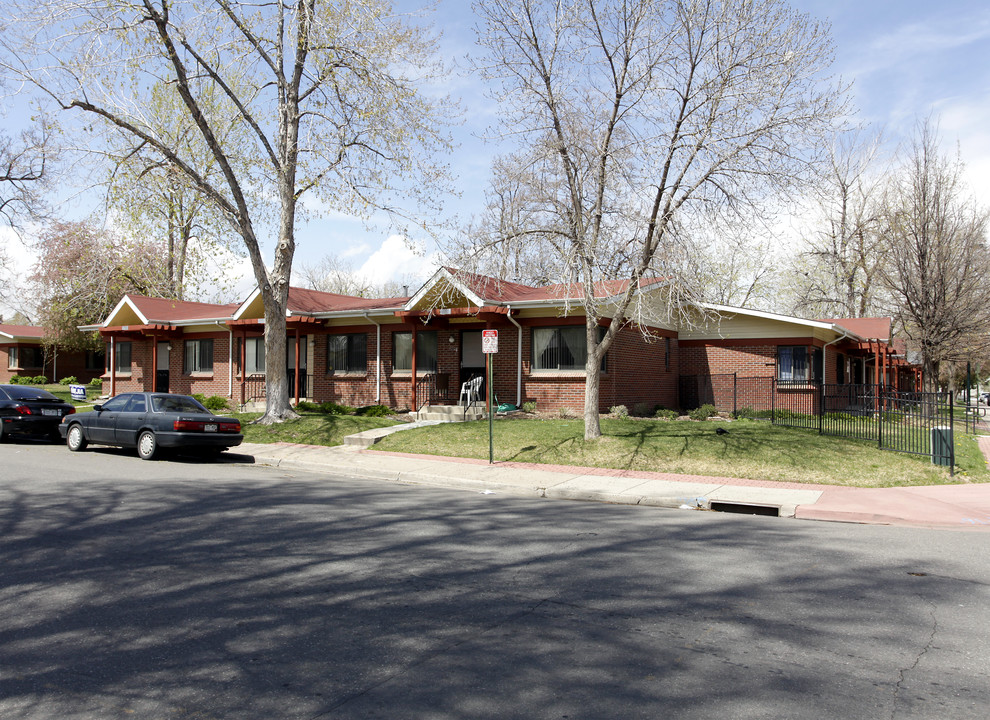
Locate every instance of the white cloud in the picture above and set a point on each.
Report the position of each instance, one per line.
(399, 260)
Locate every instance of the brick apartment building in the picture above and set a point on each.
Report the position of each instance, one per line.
(406, 352)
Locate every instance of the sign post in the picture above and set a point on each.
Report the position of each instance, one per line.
(489, 346)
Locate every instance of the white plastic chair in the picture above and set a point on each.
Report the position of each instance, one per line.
(470, 391)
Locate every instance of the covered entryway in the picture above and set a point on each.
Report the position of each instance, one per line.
(291, 355)
(161, 373)
(472, 359)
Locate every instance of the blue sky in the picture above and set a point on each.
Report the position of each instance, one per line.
(906, 59)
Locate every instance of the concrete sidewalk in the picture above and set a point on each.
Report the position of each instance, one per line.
(962, 507)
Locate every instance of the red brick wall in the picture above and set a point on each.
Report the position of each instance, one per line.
(754, 365)
(66, 364)
(636, 373)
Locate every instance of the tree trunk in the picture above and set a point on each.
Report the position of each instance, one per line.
(278, 407)
(592, 382)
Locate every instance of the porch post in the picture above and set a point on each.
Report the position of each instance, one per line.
(876, 374)
(297, 366)
(113, 367)
(412, 400)
(154, 363)
(243, 361)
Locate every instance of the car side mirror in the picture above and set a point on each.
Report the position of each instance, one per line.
(97, 408)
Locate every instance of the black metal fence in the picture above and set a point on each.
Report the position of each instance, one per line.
(908, 422)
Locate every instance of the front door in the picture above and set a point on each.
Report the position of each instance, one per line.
(472, 359)
(290, 352)
(161, 378)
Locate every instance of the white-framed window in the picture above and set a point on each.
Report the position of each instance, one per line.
(254, 356)
(12, 357)
(561, 348)
(426, 351)
(347, 353)
(198, 356)
(122, 356)
(796, 365)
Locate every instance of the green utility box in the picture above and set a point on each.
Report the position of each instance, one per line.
(942, 445)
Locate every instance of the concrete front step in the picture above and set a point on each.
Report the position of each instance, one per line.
(451, 413)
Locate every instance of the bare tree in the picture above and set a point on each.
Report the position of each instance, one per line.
(331, 274)
(839, 267)
(151, 198)
(938, 268)
(634, 117)
(327, 92)
(25, 171)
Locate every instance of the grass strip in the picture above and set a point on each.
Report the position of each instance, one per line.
(309, 428)
(748, 449)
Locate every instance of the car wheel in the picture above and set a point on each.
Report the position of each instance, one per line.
(75, 440)
(147, 445)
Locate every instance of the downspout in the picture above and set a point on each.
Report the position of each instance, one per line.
(845, 335)
(378, 358)
(518, 357)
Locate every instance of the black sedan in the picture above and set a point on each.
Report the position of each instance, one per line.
(149, 421)
(26, 410)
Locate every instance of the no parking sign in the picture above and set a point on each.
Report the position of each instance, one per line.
(489, 341)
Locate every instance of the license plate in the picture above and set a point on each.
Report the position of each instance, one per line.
(46, 411)
(210, 427)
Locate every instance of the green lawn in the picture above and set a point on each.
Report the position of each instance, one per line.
(750, 449)
(309, 428)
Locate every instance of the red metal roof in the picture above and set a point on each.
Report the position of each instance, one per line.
(870, 328)
(302, 300)
(161, 310)
(494, 289)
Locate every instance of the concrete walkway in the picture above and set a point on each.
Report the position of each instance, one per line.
(961, 507)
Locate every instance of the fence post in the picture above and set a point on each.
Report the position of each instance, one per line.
(735, 398)
(952, 437)
(773, 401)
(877, 390)
(821, 407)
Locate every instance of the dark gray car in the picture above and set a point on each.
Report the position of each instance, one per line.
(149, 421)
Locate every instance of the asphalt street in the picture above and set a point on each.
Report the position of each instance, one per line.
(181, 589)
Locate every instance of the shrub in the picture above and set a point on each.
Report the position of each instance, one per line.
(39, 380)
(374, 411)
(307, 406)
(619, 411)
(332, 408)
(215, 403)
(703, 413)
(96, 382)
(665, 414)
(642, 409)
(199, 397)
(70, 380)
(529, 406)
(16, 380)
(564, 412)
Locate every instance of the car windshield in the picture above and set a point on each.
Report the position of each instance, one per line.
(177, 404)
(28, 393)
